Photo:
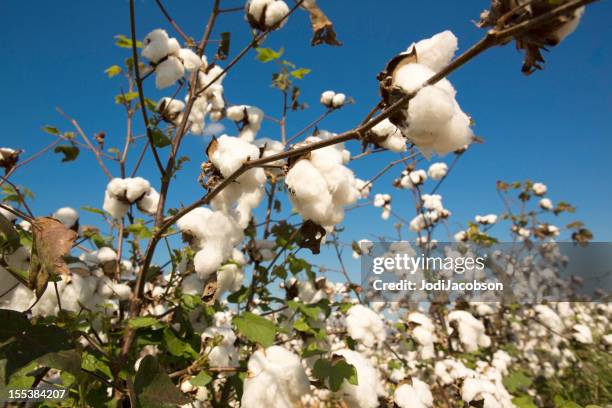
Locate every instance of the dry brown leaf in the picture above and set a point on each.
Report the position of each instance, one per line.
(311, 235)
(51, 242)
(322, 27)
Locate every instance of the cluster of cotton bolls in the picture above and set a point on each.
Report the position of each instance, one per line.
(332, 99)
(469, 330)
(213, 234)
(248, 117)
(415, 395)
(230, 276)
(383, 201)
(488, 219)
(167, 57)
(423, 332)
(121, 193)
(223, 353)
(86, 287)
(434, 121)
(266, 15)
(433, 211)
(320, 184)
(209, 100)
(242, 196)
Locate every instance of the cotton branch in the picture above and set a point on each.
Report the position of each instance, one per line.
(143, 106)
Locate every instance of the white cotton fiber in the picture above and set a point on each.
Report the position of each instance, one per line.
(67, 216)
(365, 326)
(436, 52)
(168, 72)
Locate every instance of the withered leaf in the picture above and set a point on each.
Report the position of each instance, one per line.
(210, 290)
(51, 242)
(322, 27)
(212, 147)
(311, 235)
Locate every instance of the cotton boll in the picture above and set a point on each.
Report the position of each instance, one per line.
(437, 171)
(430, 109)
(136, 188)
(486, 219)
(117, 187)
(67, 216)
(114, 207)
(395, 142)
(192, 285)
(569, 27)
(229, 278)
(365, 393)
(194, 222)
(417, 395)
(156, 45)
(436, 52)
(275, 12)
(256, 8)
(168, 72)
(254, 116)
(224, 354)
(582, 334)
(365, 326)
(170, 108)
(236, 113)
(546, 204)
(231, 153)
(455, 135)
(338, 100)
(307, 184)
(276, 379)
(190, 59)
(471, 330)
(148, 203)
(327, 98)
(539, 189)
(207, 260)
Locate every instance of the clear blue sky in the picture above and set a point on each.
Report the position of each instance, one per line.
(554, 126)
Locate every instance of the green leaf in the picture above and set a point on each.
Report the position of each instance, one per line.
(141, 322)
(112, 71)
(268, 54)
(93, 210)
(124, 42)
(65, 360)
(256, 328)
(335, 372)
(140, 230)
(201, 380)
(515, 381)
(224, 46)
(178, 347)
(160, 139)
(32, 344)
(52, 130)
(154, 388)
(300, 73)
(7, 228)
(70, 152)
(125, 98)
(523, 401)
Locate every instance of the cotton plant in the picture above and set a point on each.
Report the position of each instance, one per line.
(237, 314)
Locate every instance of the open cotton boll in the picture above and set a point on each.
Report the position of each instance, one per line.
(539, 189)
(546, 204)
(148, 203)
(436, 52)
(67, 216)
(270, 148)
(582, 334)
(390, 136)
(327, 98)
(471, 330)
(236, 112)
(417, 395)
(437, 171)
(275, 12)
(229, 278)
(365, 393)
(412, 77)
(456, 135)
(136, 188)
(256, 8)
(224, 354)
(117, 209)
(168, 72)
(430, 109)
(276, 379)
(194, 222)
(190, 59)
(365, 326)
(156, 45)
(566, 29)
(338, 100)
(486, 219)
(169, 106)
(231, 153)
